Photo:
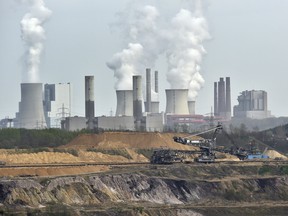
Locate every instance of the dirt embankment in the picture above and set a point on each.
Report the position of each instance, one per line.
(132, 140)
(113, 147)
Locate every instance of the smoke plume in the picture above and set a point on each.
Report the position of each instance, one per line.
(124, 67)
(141, 31)
(184, 55)
(33, 35)
(181, 40)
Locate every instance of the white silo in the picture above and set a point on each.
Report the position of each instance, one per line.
(31, 111)
(176, 101)
(124, 103)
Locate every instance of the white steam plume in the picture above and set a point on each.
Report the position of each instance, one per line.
(185, 53)
(142, 35)
(124, 67)
(33, 34)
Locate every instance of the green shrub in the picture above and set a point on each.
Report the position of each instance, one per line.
(145, 152)
(264, 170)
(73, 152)
(121, 152)
(284, 170)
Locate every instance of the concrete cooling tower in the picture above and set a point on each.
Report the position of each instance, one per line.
(124, 103)
(191, 107)
(176, 101)
(31, 112)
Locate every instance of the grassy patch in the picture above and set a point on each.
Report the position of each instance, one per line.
(73, 152)
(284, 170)
(145, 152)
(29, 151)
(264, 170)
(120, 152)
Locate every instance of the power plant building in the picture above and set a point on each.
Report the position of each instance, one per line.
(252, 104)
(57, 103)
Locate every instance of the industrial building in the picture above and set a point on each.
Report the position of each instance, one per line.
(57, 103)
(222, 98)
(252, 104)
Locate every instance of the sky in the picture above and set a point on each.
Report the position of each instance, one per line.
(247, 41)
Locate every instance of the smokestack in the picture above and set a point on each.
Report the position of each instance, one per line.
(137, 97)
(31, 111)
(176, 101)
(228, 98)
(124, 103)
(89, 100)
(221, 97)
(148, 90)
(156, 82)
(215, 99)
(191, 107)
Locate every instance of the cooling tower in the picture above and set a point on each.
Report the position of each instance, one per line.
(148, 90)
(124, 103)
(155, 107)
(191, 107)
(31, 112)
(228, 98)
(176, 101)
(215, 99)
(137, 97)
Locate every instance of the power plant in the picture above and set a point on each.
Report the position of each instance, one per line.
(252, 104)
(34, 112)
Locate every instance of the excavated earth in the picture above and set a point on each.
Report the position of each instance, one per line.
(179, 189)
(228, 188)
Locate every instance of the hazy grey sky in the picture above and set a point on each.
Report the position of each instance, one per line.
(248, 43)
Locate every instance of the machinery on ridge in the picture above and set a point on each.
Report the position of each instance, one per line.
(206, 152)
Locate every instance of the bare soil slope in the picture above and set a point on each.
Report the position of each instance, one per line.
(134, 140)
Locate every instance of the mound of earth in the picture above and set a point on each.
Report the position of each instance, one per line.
(132, 140)
(274, 154)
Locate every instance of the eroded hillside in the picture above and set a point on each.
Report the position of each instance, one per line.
(155, 190)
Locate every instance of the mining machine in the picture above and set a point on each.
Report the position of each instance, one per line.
(206, 152)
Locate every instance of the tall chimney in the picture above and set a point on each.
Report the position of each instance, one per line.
(221, 97)
(228, 98)
(148, 90)
(215, 99)
(137, 97)
(89, 100)
(31, 110)
(156, 82)
(124, 103)
(176, 101)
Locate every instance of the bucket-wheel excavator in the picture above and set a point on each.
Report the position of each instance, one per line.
(206, 150)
